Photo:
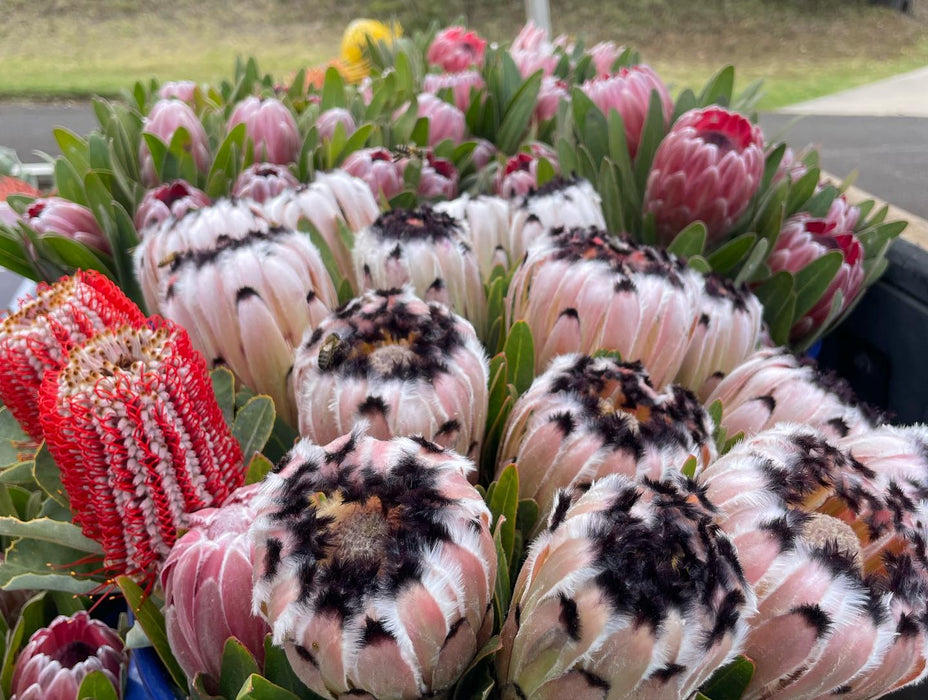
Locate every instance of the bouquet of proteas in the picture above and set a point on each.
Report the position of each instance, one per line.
(459, 372)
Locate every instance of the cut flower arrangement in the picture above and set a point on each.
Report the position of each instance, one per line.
(451, 370)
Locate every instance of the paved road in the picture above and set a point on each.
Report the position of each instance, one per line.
(27, 127)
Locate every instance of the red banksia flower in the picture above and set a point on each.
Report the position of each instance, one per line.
(68, 219)
(454, 49)
(461, 84)
(271, 128)
(171, 200)
(706, 169)
(263, 181)
(633, 591)
(133, 424)
(375, 566)
(56, 659)
(163, 121)
(36, 339)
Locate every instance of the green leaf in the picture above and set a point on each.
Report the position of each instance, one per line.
(518, 114)
(689, 467)
(613, 211)
(715, 412)
(801, 190)
(237, 665)
(719, 88)
(76, 255)
(471, 685)
(690, 241)
(18, 473)
(96, 686)
(494, 433)
(730, 682)
(224, 388)
(544, 172)
(779, 299)
(520, 356)
(55, 531)
(527, 516)
(814, 279)
(253, 425)
(754, 261)
(278, 670)
(651, 136)
(48, 477)
(257, 687)
(503, 588)
(224, 170)
(504, 506)
(73, 147)
(259, 467)
(13, 441)
(68, 182)
(727, 257)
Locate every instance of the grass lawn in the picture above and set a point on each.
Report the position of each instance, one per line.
(801, 48)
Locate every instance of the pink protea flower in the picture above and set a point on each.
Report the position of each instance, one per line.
(605, 54)
(378, 168)
(483, 153)
(706, 169)
(183, 90)
(264, 181)
(271, 128)
(207, 582)
(445, 120)
(773, 386)
(455, 49)
(36, 338)
(438, 178)
(375, 566)
(628, 92)
(164, 119)
(803, 240)
(531, 51)
(329, 119)
(405, 366)
(582, 291)
(8, 215)
(427, 249)
(66, 218)
(553, 91)
(55, 660)
(487, 228)
(173, 199)
(585, 418)
(520, 174)
(133, 409)
(461, 84)
(633, 591)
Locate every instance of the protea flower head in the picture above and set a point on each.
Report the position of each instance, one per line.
(163, 121)
(628, 92)
(487, 220)
(378, 168)
(773, 386)
(173, 199)
(585, 418)
(604, 55)
(36, 338)
(632, 592)
(427, 249)
(8, 215)
(461, 84)
(133, 409)
(375, 566)
(183, 90)
(207, 582)
(520, 174)
(483, 153)
(271, 128)
(404, 366)
(445, 120)
(330, 118)
(582, 291)
(438, 178)
(706, 169)
(531, 51)
(264, 181)
(56, 215)
(455, 49)
(728, 331)
(553, 91)
(55, 660)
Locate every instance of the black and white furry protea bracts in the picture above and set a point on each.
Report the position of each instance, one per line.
(402, 365)
(375, 566)
(588, 417)
(632, 592)
(487, 228)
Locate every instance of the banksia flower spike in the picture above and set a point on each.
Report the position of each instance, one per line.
(171, 200)
(375, 566)
(585, 418)
(404, 366)
(706, 169)
(454, 49)
(378, 168)
(163, 121)
(36, 339)
(427, 249)
(487, 228)
(207, 582)
(263, 181)
(632, 592)
(583, 291)
(55, 660)
(132, 422)
(66, 218)
(271, 128)
(445, 120)
(331, 118)
(461, 84)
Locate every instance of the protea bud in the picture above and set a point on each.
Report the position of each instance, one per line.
(36, 338)
(631, 592)
(520, 174)
(628, 92)
(56, 659)
(773, 386)
(483, 153)
(173, 199)
(487, 220)
(585, 418)
(375, 566)
(183, 90)
(454, 49)
(163, 121)
(582, 291)
(331, 118)
(552, 93)
(425, 248)
(604, 55)
(133, 409)
(706, 169)
(66, 218)
(438, 178)
(378, 168)
(461, 84)
(445, 120)
(531, 51)
(207, 581)
(271, 128)
(264, 181)
(8, 215)
(405, 366)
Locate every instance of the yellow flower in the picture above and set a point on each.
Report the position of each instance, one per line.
(354, 44)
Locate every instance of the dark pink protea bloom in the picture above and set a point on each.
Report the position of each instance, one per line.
(134, 409)
(588, 417)
(632, 591)
(628, 92)
(553, 91)
(164, 119)
(580, 290)
(183, 90)
(487, 228)
(483, 153)
(36, 339)
(445, 120)
(207, 582)
(66, 218)
(271, 128)
(520, 174)
(531, 51)
(379, 169)
(173, 199)
(264, 181)
(455, 49)
(375, 566)
(405, 366)
(56, 659)
(706, 169)
(438, 178)
(605, 54)
(461, 84)
(803, 240)
(329, 119)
